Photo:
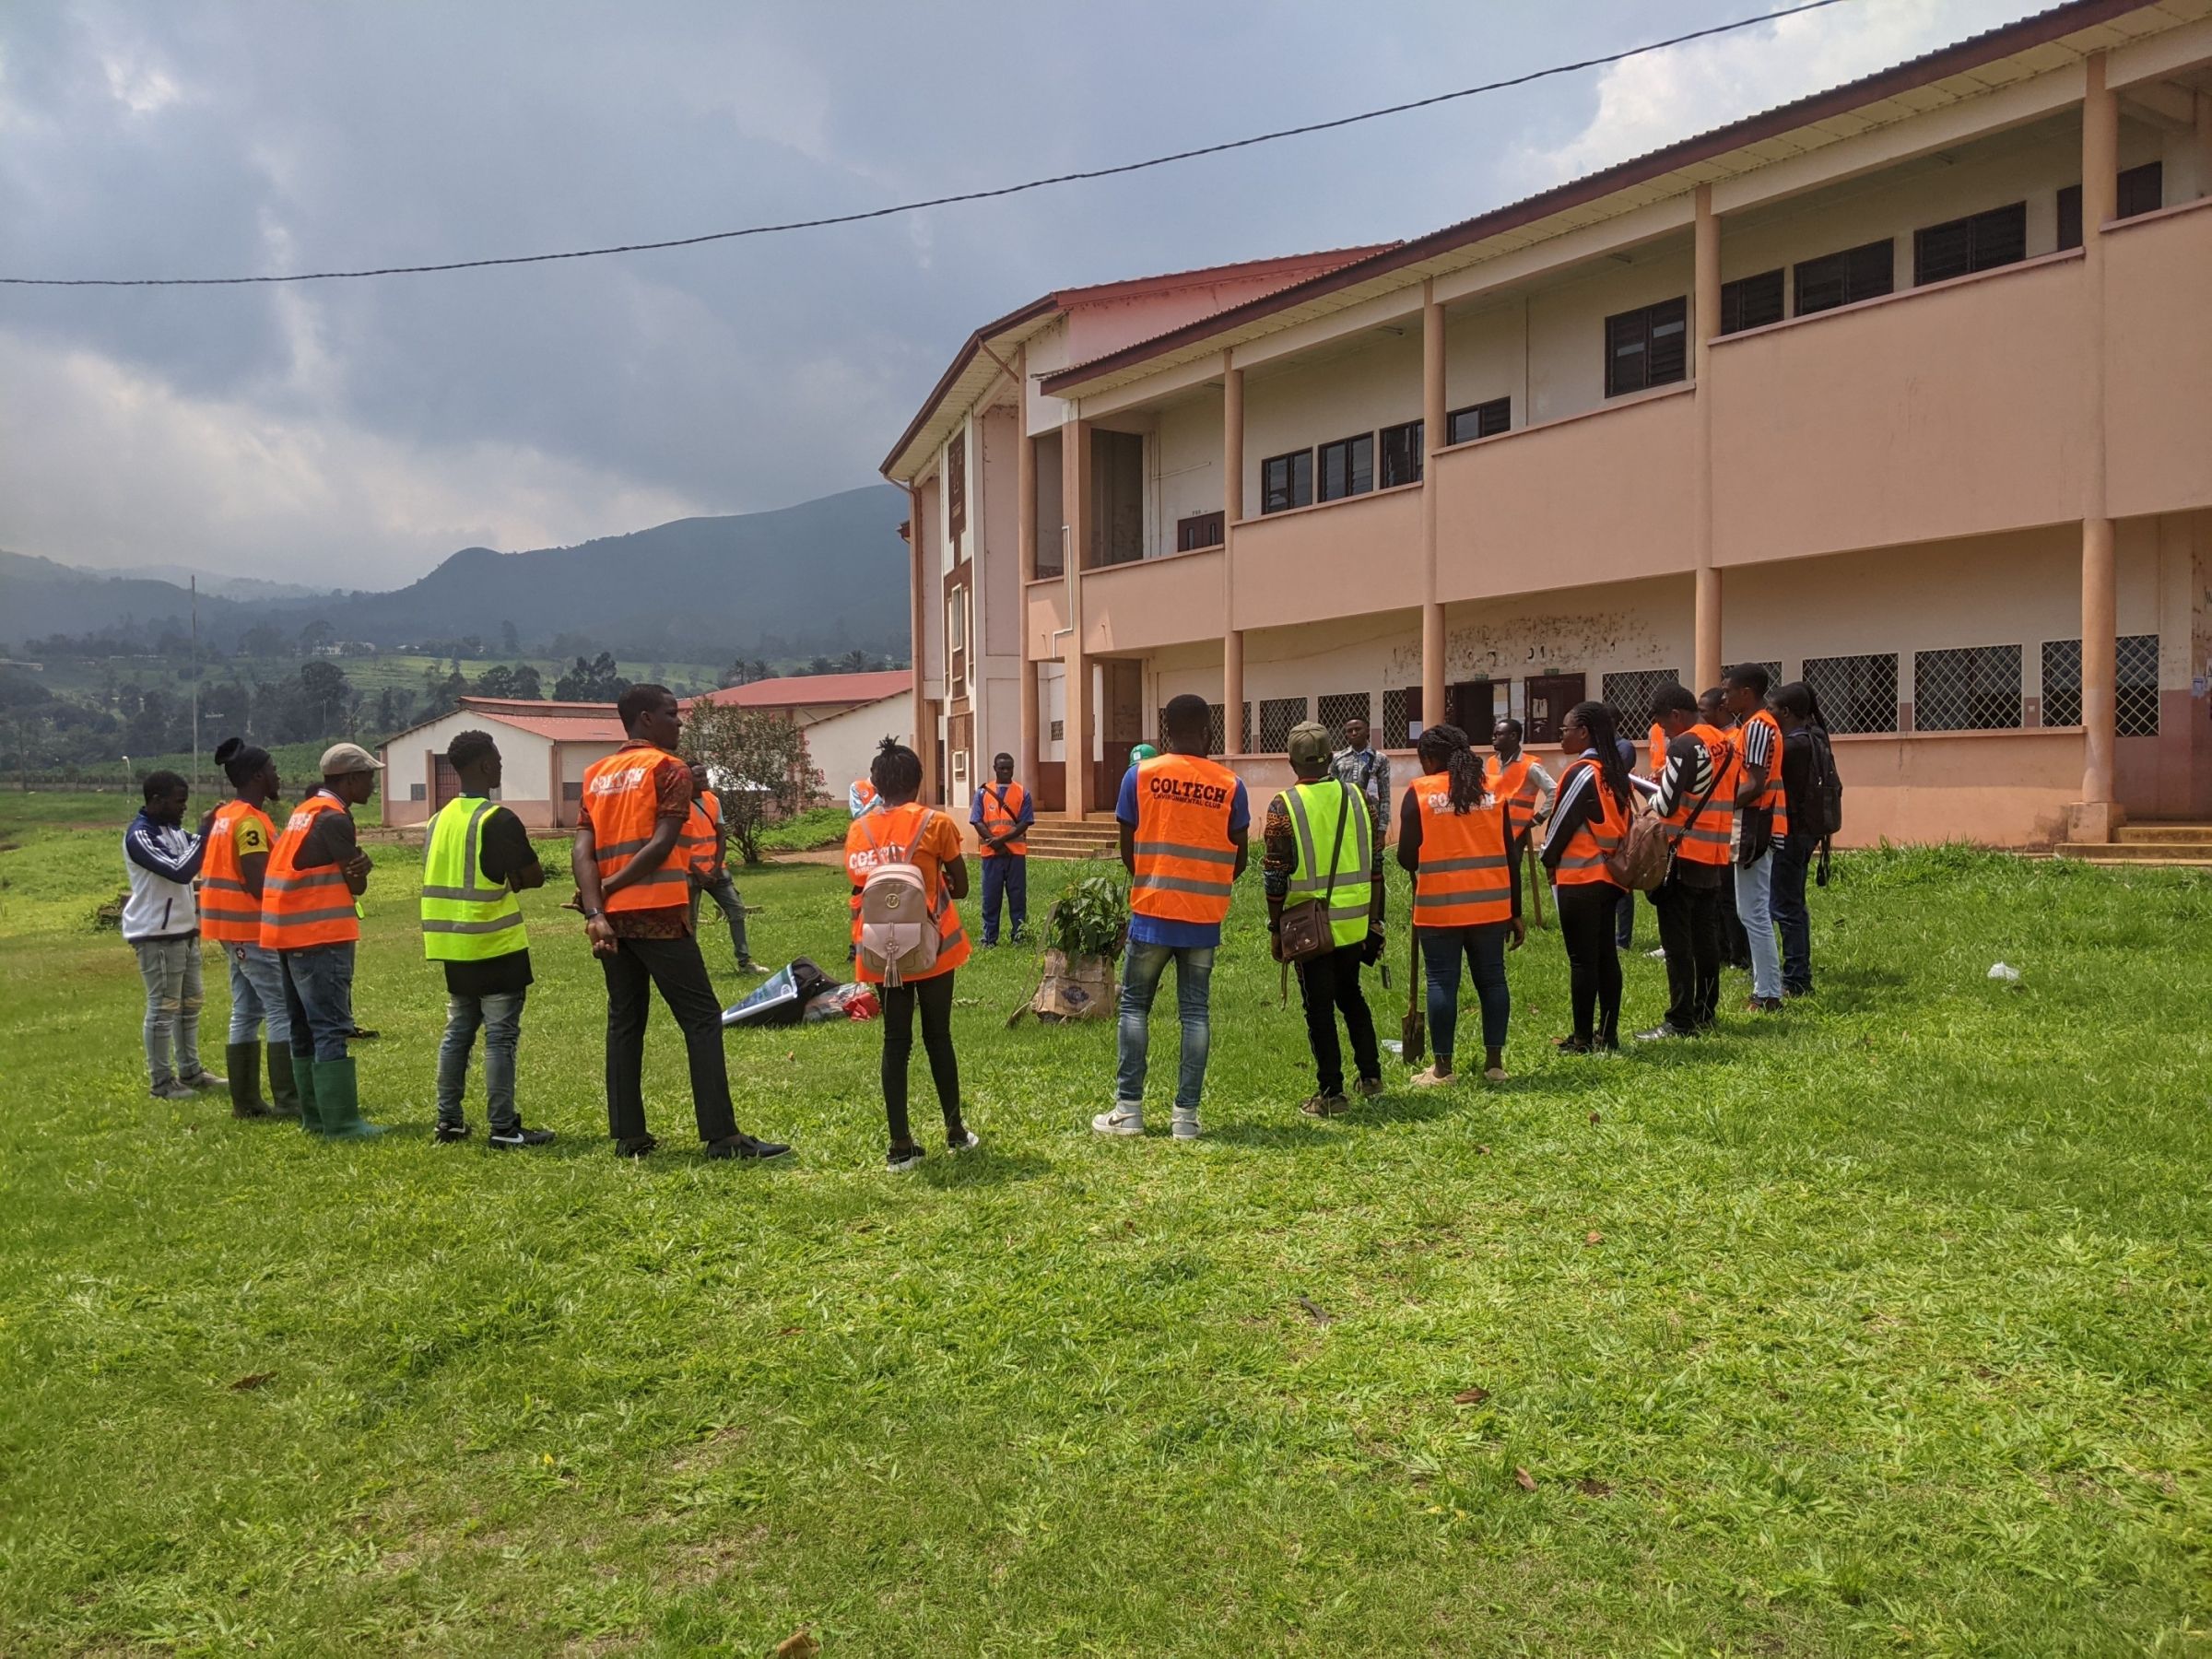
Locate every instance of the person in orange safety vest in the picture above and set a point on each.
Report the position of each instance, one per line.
(1001, 813)
(1184, 823)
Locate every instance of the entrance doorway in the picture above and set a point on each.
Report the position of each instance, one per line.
(1470, 706)
(1549, 697)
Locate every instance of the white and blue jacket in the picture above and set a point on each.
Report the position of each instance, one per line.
(161, 861)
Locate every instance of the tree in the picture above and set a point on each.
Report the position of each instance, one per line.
(520, 681)
(598, 680)
(314, 636)
(855, 662)
(759, 758)
(510, 640)
(446, 695)
(820, 665)
(394, 708)
(322, 699)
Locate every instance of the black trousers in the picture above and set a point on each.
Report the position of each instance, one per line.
(1691, 924)
(1588, 914)
(680, 972)
(1328, 986)
(934, 997)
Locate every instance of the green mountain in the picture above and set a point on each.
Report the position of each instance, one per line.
(39, 597)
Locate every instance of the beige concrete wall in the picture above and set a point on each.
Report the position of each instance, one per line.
(1135, 606)
(1567, 323)
(1183, 459)
(2159, 363)
(1485, 356)
(1365, 548)
(1369, 382)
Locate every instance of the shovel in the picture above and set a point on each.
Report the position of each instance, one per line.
(1413, 1031)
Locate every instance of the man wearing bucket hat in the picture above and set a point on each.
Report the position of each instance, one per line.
(316, 872)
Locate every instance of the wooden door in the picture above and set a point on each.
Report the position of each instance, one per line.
(1549, 697)
(445, 782)
(1470, 705)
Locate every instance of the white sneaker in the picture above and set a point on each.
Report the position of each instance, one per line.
(968, 1142)
(1123, 1118)
(1183, 1125)
(1657, 956)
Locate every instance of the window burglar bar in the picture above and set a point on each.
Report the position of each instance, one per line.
(1630, 694)
(1856, 693)
(1970, 688)
(1398, 705)
(1277, 715)
(1339, 707)
(2136, 685)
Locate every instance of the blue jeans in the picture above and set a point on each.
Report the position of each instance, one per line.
(1624, 923)
(724, 891)
(1482, 946)
(1141, 968)
(257, 993)
(1009, 876)
(170, 969)
(1793, 859)
(318, 996)
(1754, 887)
(501, 1019)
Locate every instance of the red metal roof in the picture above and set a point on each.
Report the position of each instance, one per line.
(562, 722)
(2036, 29)
(803, 690)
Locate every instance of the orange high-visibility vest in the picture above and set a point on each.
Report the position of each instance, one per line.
(700, 844)
(1771, 794)
(1510, 784)
(884, 837)
(229, 913)
(1467, 863)
(1705, 839)
(1658, 750)
(1186, 865)
(625, 809)
(1002, 811)
(300, 908)
(1583, 859)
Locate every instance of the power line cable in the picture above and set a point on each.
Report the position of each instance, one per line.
(943, 200)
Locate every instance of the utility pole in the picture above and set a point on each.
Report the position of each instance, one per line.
(195, 682)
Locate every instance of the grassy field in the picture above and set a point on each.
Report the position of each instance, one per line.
(1881, 1327)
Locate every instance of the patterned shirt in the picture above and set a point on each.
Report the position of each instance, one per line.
(1368, 770)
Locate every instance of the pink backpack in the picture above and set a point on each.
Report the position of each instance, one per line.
(898, 915)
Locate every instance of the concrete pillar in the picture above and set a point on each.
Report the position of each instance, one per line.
(1705, 324)
(1232, 509)
(2098, 814)
(1075, 506)
(928, 590)
(1025, 545)
(1433, 436)
(2204, 144)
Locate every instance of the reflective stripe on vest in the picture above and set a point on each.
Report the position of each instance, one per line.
(1466, 873)
(229, 913)
(1313, 819)
(1771, 794)
(1186, 865)
(1512, 783)
(889, 835)
(1705, 840)
(1002, 811)
(625, 809)
(300, 908)
(709, 862)
(465, 917)
(1583, 859)
(695, 848)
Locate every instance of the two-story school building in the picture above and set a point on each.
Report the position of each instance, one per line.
(1903, 389)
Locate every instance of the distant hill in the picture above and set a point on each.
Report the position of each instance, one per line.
(221, 587)
(825, 576)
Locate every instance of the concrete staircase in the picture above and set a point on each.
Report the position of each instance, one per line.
(2155, 844)
(1056, 836)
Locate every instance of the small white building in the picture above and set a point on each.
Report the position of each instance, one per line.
(844, 716)
(544, 748)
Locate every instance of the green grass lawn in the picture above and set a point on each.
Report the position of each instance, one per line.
(1880, 1327)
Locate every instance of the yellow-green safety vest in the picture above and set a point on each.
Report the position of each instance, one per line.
(1316, 810)
(466, 918)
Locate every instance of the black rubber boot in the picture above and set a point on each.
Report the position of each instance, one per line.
(284, 1082)
(242, 1062)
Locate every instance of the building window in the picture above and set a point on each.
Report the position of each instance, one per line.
(1856, 693)
(2142, 190)
(1866, 272)
(1286, 481)
(1402, 455)
(1630, 694)
(572, 788)
(1216, 729)
(1649, 346)
(418, 792)
(1981, 242)
(1245, 730)
(1480, 420)
(2136, 685)
(1401, 716)
(1059, 731)
(1773, 672)
(1751, 301)
(1200, 530)
(1277, 715)
(1348, 467)
(1971, 689)
(956, 486)
(1338, 709)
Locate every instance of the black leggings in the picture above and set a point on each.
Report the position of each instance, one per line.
(935, 996)
(1587, 912)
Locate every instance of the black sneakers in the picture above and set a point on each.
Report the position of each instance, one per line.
(637, 1147)
(902, 1158)
(506, 1140)
(446, 1134)
(742, 1145)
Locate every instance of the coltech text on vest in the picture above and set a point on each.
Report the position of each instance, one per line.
(1189, 791)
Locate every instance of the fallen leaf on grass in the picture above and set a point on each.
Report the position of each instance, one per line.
(1316, 1312)
(1524, 1480)
(252, 1379)
(1590, 1487)
(1470, 1396)
(1483, 1150)
(791, 1330)
(799, 1645)
(1593, 1238)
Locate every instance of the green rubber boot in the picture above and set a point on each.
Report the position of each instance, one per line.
(284, 1084)
(303, 1085)
(242, 1062)
(337, 1097)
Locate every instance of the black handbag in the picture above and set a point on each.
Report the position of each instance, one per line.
(1304, 928)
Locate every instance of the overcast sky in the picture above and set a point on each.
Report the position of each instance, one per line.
(355, 433)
